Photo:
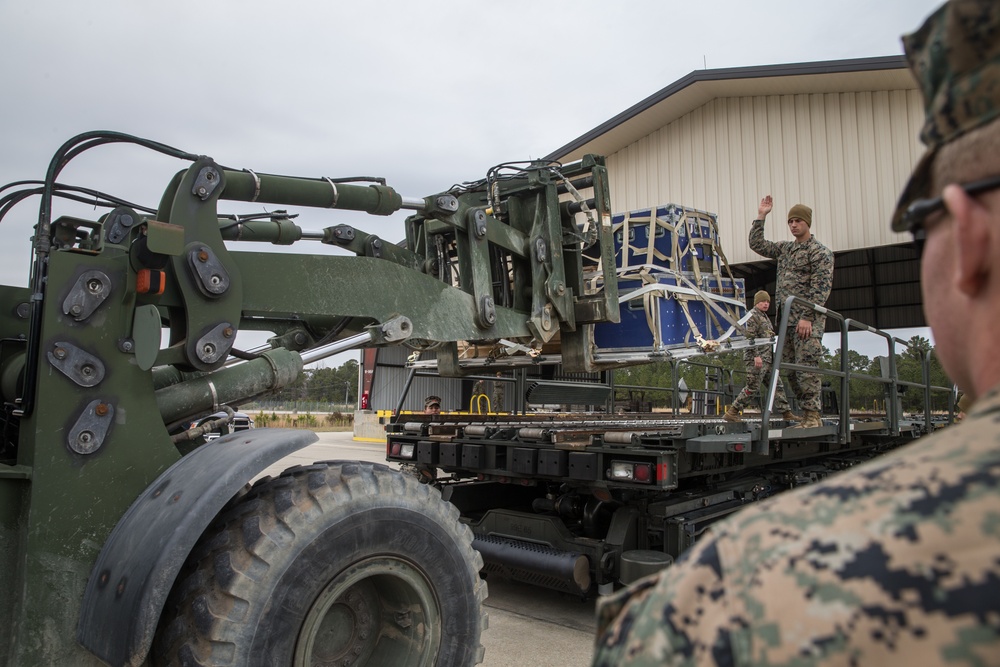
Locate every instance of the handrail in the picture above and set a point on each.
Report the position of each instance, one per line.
(477, 400)
(892, 381)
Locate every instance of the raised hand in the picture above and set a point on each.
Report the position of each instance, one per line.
(766, 204)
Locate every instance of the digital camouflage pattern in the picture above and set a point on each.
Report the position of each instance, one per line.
(895, 562)
(955, 57)
(758, 326)
(497, 400)
(806, 387)
(804, 270)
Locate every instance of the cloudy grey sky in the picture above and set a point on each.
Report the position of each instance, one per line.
(426, 93)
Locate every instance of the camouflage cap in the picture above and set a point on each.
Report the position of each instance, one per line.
(955, 57)
(432, 400)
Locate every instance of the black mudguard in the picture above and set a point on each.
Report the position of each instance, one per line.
(140, 560)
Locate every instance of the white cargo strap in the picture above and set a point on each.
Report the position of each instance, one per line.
(667, 290)
(591, 220)
(653, 291)
(517, 347)
(713, 300)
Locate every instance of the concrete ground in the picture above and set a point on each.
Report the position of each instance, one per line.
(528, 625)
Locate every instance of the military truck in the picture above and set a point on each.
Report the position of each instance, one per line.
(128, 536)
(584, 502)
(132, 537)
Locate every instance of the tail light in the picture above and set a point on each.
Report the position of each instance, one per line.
(401, 450)
(630, 471)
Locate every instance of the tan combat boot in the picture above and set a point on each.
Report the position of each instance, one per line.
(811, 420)
(790, 416)
(732, 415)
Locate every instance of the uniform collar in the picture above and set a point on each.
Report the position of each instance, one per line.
(988, 402)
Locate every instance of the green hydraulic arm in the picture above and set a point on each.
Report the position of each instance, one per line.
(128, 331)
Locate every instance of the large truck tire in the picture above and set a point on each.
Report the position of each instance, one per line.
(336, 563)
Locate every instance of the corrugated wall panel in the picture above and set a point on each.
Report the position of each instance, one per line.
(850, 142)
(713, 187)
(837, 227)
(847, 155)
(790, 148)
(645, 182)
(698, 174)
(390, 378)
(883, 154)
(867, 205)
(822, 198)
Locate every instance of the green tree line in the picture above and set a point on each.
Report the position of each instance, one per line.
(323, 385)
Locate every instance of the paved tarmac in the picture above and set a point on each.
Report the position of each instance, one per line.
(529, 626)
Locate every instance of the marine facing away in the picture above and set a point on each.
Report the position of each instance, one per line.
(896, 561)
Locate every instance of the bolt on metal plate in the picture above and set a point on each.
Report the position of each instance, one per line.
(206, 183)
(215, 345)
(210, 276)
(91, 289)
(81, 367)
(91, 428)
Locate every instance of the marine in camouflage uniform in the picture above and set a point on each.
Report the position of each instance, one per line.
(896, 561)
(758, 327)
(498, 390)
(479, 397)
(805, 270)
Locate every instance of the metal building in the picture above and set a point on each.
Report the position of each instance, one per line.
(838, 136)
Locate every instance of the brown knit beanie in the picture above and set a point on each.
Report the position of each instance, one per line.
(801, 211)
(760, 296)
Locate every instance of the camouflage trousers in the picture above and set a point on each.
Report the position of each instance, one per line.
(755, 376)
(807, 387)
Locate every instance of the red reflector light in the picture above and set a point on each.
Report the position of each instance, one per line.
(149, 281)
(642, 472)
(394, 449)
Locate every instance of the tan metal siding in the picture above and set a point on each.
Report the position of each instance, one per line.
(847, 155)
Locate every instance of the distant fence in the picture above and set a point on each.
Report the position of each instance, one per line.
(314, 407)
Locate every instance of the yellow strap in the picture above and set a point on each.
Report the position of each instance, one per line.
(650, 236)
(690, 246)
(698, 338)
(718, 249)
(651, 308)
(625, 244)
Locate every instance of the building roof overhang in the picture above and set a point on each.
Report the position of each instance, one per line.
(883, 73)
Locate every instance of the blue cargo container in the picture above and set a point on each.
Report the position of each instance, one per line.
(655, 306)
(669, 236)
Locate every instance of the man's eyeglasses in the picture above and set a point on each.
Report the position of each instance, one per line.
(916, 213)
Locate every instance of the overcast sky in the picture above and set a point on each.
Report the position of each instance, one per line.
(424, 93)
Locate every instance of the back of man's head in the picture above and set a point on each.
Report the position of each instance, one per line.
(955, 57)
